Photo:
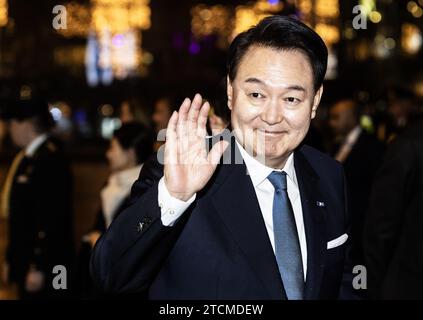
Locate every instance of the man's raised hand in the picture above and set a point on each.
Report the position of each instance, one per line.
(188, 165)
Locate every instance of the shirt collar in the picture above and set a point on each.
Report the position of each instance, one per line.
(259, 172)
(35, 144)
(353, 135)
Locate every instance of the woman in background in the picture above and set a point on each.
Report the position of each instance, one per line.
(130, 146)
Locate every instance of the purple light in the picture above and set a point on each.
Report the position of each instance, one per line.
(273, 2)
(194, 48)
(118, 40)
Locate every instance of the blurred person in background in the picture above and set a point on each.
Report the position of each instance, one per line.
(131, 111)
(216, 123)
(402, 110)
(361, 154)
(162, 112)
(219, 115)
(392, 242)
(129, 148)
(37, 200)
(163, 109)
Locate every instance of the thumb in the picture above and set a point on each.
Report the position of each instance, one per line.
(216, 152)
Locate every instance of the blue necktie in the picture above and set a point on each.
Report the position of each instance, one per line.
(287, 246)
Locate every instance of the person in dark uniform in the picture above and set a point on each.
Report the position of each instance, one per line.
(37, 200)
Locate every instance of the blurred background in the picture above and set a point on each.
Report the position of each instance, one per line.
(102, 63)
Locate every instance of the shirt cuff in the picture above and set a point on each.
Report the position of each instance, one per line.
(171, 208)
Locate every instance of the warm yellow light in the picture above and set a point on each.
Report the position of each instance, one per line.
(116, 25)
(367, 6)
(411, 38)
(375, 16)
(3, 13)
(147, 58)
(106, 110)
(207, 20)
(25, 92)
(329, 33)
(389, 43)
(205, 14)
(305, 6)
(78, 20)
(349, 33)
(70, 56)
(362, 50)
(119, 16)
(411, 6)
(327, 8)
(418, 87)
(251, 14)
(417, 13)
(266, 6)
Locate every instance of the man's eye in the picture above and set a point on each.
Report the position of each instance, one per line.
(292, 100)
(256, 95)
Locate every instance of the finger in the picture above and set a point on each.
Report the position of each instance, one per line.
(171, 126)
(184, 108)
(216, 152)
(181, 127)
(202, 120)
(195, 109)
(197, 100)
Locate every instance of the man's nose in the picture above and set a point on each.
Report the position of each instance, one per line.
(272, 113)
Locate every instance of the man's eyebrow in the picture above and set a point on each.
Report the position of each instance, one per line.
(296, 87)
(254, 80)
(291, 87)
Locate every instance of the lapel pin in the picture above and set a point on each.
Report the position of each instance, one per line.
(140, 226)
(320, 204)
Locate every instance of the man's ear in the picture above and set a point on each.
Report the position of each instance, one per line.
(316, 101)
(229, 92)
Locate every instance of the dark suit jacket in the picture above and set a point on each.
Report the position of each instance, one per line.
(393, 243)
(100, 222)
(220, 249)
(84, 287)
(360, 167)
(40, 221)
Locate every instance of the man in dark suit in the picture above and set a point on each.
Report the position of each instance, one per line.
(37, 200)
(258, 216)
(361, 155)
(392, 236)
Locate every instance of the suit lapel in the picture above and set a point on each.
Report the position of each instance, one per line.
(236, 203)
(314, 223)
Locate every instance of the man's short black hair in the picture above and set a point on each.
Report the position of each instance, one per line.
(281, 33)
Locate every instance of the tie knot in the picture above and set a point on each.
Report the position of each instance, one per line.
(278, 179)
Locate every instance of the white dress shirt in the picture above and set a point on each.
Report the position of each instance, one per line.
(172, 208)
(117, 189)
(35, 144)
(348, 144)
